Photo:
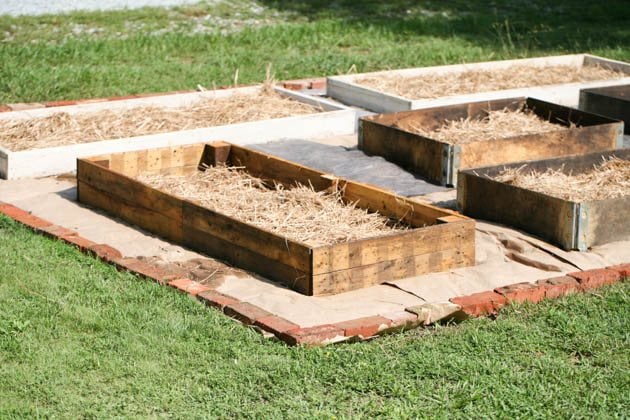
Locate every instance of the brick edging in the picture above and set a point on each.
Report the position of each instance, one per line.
(478, 304)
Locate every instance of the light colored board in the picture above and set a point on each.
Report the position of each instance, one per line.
(345, 89)
(56, 160)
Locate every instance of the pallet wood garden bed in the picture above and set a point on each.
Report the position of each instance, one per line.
(373, 91)
(325, 118)
(436, 239)
(397, 138)
(612, 102)
(579, 223)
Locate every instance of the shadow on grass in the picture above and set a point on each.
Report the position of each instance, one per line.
(516, 25)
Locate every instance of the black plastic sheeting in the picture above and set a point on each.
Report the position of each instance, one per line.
(350, 163)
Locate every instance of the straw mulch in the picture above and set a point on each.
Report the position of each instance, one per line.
(299, 213)
(495, 125)
(63, 129)
(438, 85)
(609, 179)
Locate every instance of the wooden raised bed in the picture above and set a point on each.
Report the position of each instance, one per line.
(348, 90)
(439, 239)
(572, 225)
(439, 161)
(45, 161)
(612, 101)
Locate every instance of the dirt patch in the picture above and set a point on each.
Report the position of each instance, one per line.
(495, 125)
(609, 179)
(438, 85)
(206, 271)
(299, 213)
(63, 129)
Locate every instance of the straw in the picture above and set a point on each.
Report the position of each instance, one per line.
(62, 128)
(494, 125)
(472, 81)
(609, 179)
(299, 213)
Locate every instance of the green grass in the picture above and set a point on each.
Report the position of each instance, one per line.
(115, 53)
(79, 339)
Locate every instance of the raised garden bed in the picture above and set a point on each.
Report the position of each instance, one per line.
(575, 202)
(404, 138)
(47, 141)
(422, 239)
(556, 79)
(612, 101)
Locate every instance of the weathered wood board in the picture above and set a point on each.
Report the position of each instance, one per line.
(390, 136)
(347, 90)
(334, 120)
(612, 102)
(439, 239)
(570, 224)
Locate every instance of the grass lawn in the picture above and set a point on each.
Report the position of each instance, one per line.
(79, 339)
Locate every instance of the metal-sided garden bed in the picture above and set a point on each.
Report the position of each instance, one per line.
(327, 118)
(579, 224)
(611, 101)
(397, 138)
(434, 239)
(364, 90)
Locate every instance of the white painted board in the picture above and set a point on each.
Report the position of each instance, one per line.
(337, 120)
(347, 90)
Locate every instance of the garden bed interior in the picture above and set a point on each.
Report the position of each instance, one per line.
(576, 201)
(555, 78)
(565, 131)
(432, 239)
(612, 102)
(54, 137)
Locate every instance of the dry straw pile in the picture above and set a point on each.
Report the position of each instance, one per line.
(313, 217)
(495, 125)
(63, 129)
(610, 179)
(473, 81)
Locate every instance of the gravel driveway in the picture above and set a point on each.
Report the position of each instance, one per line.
(42, 7)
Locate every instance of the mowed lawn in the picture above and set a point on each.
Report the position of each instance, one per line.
(79, 339)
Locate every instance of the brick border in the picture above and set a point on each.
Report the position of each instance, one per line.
(486, 303)
(318, 83)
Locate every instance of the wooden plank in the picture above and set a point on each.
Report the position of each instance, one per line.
(272, 246)
(369, 275)
(400, 208)
(606, 221)
(149, 220)
(215, 153)
(613, 102)
(279, 170)
(247, 259)
(431, 239)
(128, 189)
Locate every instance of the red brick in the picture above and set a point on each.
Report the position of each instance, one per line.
(189, 286)
(364, 327)
(79, 241)
(275, 324)
(522, 292)
(591, 279)
(318, 84)
(312, 336)
(105, 252)
(558, 286)
(5, 108)
(246, 312)
(216, 299)
(145, 270)
(294, 85)
(479, 304)
(23, 216)
(622, 269)
(60, 103)
(12, 211)
(58, 232)
(402, 319)
(122, 98)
